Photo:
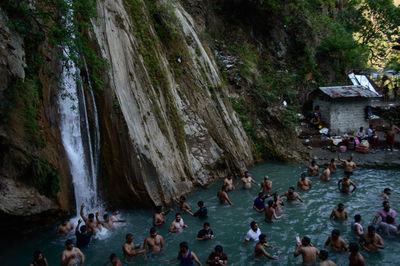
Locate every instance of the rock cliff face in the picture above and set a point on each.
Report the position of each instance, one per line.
(167, 123)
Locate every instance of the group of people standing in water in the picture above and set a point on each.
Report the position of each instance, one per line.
(370, 241)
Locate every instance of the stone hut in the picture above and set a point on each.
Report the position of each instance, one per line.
(343, 108)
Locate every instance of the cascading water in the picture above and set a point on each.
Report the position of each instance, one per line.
(75, 130)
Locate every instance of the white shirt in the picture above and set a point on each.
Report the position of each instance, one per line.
(370, 132)
(253, 236)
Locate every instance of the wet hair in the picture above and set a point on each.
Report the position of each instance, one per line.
(182, 198)
(207, 224)
(36, 254)
(128, 235)
(336, 231)
(68, 242)
(113, 256)
(260, 194)
(113, 209)
(91, 216)
(64, 221)
(340, 205)
(389, 219)
(371, 228)
(291, 188)
(200, 203)
(262, 237)
(158, 208)
(384, 202)
(252, 224)
(218, 248)
(353, 247)
(270, 203)
(332, 160)
(313, 162)
(246, 172)
(303, 174)
(306, 240)
(184, 245)
(387, 190)
(83, 228)
(105, 216)
(153, 230)
(361, 128)
(229, 175)
(357, 217)
(324, 253)
(178, 213)
(346, 176)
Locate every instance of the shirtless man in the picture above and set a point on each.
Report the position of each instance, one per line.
(271, 213)
(349, 166)
(346, 183)
(338, 213)
(303, 184)
(246, 180)
(107, 223)
(155, 242)
(326, 174)
(332, 166)
(114, 260)
(228, 182)
(266, 185)
(390, 133)
(277, 203)
(223, 196)
(70, 255)
(91, 224)
(183, 205)
(386, 193)
(313, 169)
(129, 247)
(355, 258)
(337, 243)
(114, 216)
(64, 228)
(371, 241)
(177, 225)
(158, 217)
(323, 255)
(291, 195)
(308, 252)
(259, 250)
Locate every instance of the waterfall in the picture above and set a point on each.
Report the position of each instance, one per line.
(75, 130)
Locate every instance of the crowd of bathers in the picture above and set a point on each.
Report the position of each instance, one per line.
(369, 240)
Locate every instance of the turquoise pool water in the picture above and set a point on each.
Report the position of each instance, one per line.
(230, 224)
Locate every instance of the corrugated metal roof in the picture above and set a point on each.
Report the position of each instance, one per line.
(348, 91)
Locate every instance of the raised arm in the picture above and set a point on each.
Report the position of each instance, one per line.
(98, 220)
(77, 226)
(85, 219)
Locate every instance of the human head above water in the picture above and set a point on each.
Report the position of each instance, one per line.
(357, 218)
(306, 241)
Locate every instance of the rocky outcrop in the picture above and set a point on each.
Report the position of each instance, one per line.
(162, 137)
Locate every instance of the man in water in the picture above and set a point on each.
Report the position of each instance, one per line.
(253, 233)
(115, 218)
(228, 182)
(332, 166)
(313, 169)
(271, 213)
(155, 242)
(258, 204)
(259, 250)
(83, 237)
(308, 251)
(129, 247)
(388, 228)
(383, 213)
(114, 260)
(91, 224)
(107, 223)
(223, 196)
(246, 180)
(303, 184)
(337, 243)
(326, 174)
(291, 195)
(217, 257)
(39, 259)
(70, 254)
(323, 255)
(64, 228)
(185, 255)
(177, 225)
(338, 213)
(371, 241)
(202, 211)
(266, 185)
(356, 225)
(349, 165)
(355, 258)
(158, 217)
(183, 205)
(346, 183)
(386, 193)
(390, 133)
(205, 233)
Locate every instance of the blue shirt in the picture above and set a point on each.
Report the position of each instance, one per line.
(259, 203)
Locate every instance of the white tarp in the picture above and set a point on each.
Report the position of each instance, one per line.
(361, 80)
